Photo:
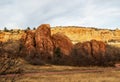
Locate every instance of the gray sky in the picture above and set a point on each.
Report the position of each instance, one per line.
(32, 13)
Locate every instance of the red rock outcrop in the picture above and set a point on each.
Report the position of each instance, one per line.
(28, 49)
(92, 47)
(39, 46)
(91, 52)
(44, 44)
(63, 42)
(98, 48)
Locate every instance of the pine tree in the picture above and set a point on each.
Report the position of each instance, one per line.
(5, 29)
(28, 28)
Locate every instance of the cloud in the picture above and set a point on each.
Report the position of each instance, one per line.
(24, 13)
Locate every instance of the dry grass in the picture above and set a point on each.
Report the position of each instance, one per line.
(80, 77)
(53, 73)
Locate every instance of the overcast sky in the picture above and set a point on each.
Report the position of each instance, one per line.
(32, 13)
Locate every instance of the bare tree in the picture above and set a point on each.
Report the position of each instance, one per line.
(9, 64)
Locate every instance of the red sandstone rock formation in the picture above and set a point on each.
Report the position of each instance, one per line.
(92, 47)
(44, 44)
(63, 42)
(39, 45)
(98, 48)
(29, 44)
(91, 52)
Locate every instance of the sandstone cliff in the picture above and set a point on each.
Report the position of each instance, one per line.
(76, 34)
(82, 34)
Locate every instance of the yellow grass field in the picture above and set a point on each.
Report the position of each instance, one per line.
(79, 77)
(54, 73)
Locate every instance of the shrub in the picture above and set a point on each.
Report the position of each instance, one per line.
(57, 55)
(34, 28)
(9, 65)
(6, 30)
(28, 28)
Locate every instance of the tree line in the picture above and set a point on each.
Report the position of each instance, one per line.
(7, 30)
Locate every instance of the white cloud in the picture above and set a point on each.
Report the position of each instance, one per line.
(23, 13)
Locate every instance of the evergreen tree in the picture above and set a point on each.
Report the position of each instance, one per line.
(34, 28)
(5, 29)
(28, 28)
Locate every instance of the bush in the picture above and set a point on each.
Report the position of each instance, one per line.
(57, 55)
(28, 28)
(6, 30)
(9, 63)
(113, 53)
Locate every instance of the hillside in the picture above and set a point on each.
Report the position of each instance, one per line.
(80, 34)
(76, 34)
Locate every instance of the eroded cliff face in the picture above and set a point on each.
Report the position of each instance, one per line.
(76, 34)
